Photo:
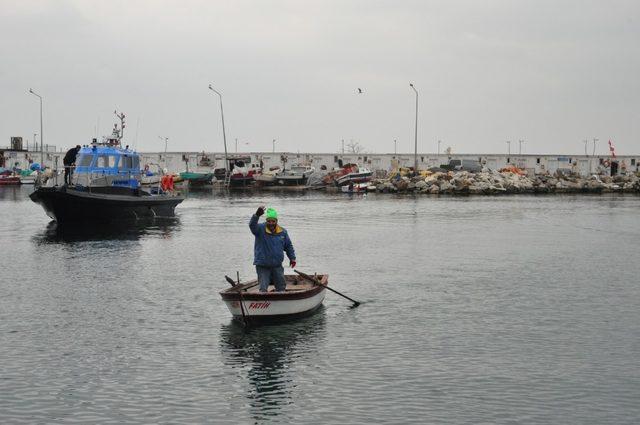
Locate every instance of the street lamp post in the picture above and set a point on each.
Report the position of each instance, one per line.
(509, 147)
(35, 144)
(595, 140)
(520, 142)
(415, 152)
(166, 142)
(274, 145)
(585, 147)
(41, 133)
(224, 134)
(395, 146)
(439, 142)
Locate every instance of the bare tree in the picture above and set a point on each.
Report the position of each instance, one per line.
(354, 147)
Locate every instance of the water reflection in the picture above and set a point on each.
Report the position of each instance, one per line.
(198, 191)
(126, 230)
(11, 193)
(270, 352)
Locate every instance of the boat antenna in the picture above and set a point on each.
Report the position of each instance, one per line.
(118, 135)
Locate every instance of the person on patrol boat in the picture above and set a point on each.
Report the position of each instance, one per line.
(69, 161)
(271, 242)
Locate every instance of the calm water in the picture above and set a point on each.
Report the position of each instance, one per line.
(514, 309)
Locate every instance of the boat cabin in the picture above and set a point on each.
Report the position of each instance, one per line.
(106, 165)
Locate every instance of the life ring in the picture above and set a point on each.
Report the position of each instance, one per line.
(606, 163)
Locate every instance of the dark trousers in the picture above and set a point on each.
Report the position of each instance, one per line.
(68, 171)
(271, 275)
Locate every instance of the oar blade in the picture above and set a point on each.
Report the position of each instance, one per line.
(317, 282)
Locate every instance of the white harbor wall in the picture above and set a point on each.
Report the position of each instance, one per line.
(180, 161)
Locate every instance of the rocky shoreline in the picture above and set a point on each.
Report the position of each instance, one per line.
(495, 182)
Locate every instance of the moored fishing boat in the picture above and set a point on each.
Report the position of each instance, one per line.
(195, 178)
(301, 297)
(10, 180)
(240, 172)
(355, 175)
(297, 175)
(356, 188)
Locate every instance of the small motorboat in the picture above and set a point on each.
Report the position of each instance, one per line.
(302, 297)
(10, 181)
(355, 175)
(297, 175)
(356, 188)
(28, 177)
(196, 178)
(267, 178)
(9, 177)
(241, 172)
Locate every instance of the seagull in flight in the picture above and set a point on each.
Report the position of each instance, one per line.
(360, 90)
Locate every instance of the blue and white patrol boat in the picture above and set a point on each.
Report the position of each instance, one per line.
(105, 186)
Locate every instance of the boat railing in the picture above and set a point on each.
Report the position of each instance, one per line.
(49, 178)
(99, 179)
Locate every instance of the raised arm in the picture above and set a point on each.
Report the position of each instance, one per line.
(253, 223)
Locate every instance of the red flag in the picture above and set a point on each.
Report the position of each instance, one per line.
(612, 150)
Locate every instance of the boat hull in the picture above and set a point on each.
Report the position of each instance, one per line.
(65, 204)
(291, 180)
(355, 188)
(264, 310)
(10, 181)
(354, 178)
(241, 181)
(197, 179)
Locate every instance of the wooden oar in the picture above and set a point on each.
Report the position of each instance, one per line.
(234, 284)
(317, 282)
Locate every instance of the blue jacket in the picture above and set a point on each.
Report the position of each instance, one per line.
(269, 248)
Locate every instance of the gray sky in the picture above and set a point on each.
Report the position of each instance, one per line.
(550, 72)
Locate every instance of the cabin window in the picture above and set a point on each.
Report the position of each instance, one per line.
(537, 160)
(106, 161)
(508, 160)
(633, 161)
(135, 163)
(85, 160)
(125, 163)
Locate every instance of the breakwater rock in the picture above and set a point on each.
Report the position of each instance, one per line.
(495, 182)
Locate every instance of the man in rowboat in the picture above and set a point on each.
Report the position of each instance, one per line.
(271, 242)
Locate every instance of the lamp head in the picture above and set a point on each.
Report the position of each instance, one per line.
(410, 84)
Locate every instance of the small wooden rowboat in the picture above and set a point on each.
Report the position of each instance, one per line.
(302, 297)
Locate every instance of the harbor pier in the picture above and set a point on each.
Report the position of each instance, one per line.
(379, 163)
